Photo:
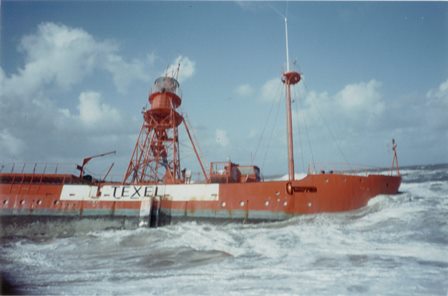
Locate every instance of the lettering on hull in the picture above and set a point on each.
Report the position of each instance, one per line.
(127, 192)
(199, 192)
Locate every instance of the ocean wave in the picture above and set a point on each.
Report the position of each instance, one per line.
(396, 245)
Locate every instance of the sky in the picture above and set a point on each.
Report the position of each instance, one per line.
(75, 76)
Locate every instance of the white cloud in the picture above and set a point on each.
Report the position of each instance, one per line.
(439, 96)
(93, 112)
(63, 56)
(254, 6)
(9, 144)
(244, 90)
(152, 58)
(436, 107)
(356, 105)
(35, 123)
(124, 73)
(359, 116)
(186, 69)
(361, 97)
(221, 137)
(272, 90)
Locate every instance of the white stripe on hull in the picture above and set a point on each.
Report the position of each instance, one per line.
(181, 192)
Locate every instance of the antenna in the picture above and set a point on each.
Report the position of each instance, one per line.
(177, 71)
(287, 50)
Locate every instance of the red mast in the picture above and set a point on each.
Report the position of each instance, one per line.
(289, 78)
(395, 159)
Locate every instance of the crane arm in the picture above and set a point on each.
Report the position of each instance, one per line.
(87, 159)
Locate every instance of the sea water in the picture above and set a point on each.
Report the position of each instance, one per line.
(397, 245)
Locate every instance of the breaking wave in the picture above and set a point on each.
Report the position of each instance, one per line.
(397, 245)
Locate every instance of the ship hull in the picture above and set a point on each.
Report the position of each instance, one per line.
(153, 205)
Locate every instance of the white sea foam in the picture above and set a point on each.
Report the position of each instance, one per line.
(396, 245)
(297, 176)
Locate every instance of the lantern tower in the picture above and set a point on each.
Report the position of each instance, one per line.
(156, 154)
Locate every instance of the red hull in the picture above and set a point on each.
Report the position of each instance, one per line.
(241, 201)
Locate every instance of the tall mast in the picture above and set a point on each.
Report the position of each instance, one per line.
(287, 46)
(289, 78)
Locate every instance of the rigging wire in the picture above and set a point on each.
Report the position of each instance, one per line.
(327, 126)
(272, 131)
(305, 126)
(194, 140)
(278, 12)
(264, 129)
(193, 135)
(299, 129)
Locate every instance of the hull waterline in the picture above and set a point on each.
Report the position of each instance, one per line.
(163, 204)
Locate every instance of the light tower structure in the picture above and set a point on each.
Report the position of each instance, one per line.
(156, 156)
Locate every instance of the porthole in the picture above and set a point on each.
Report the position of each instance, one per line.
(285, 203)
(22, 202)
(242, 203)
(223, 204)
(39, 202)
(310, 204)
(5, 202)
(56, 202)
(266, 204)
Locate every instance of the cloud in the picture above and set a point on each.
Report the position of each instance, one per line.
(186, 69)
(246, 5)
(436, 107)
(361, 100)
(61, 56)
(124, 73)
(152, 58)
(255, 6)
(41, 115)
(57, 57)
(244, 90)
(221, 138)
(272, 90)
(355, 105)
(439, 96)
(361, 97)
(93, 112)
(9, 144)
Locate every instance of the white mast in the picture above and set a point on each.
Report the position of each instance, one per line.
(287, 51)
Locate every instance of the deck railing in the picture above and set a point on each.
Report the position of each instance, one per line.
(43, 173)
(59, 173)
